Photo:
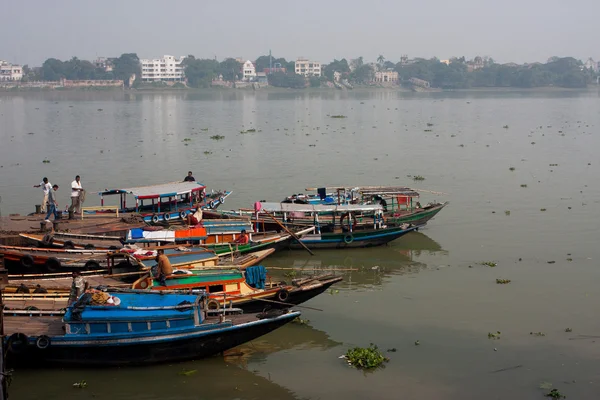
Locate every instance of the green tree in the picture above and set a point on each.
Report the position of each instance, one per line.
(53, 70)
(125, 66)
(230, 69)
(287, 80)
(314, 81)
(336, 65)
(200, 72)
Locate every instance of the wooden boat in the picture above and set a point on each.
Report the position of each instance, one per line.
(53, 260)
(72, 241)
(400, 204)
(197, 257)
(231, 288)
(137, 328)
(336, 226)
(221, 243)
(165, 202)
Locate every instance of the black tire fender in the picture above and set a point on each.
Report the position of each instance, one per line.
(282, 295)
(52, 264)
(42, 342)
(17, 343)
(27, 261)
(213, 304)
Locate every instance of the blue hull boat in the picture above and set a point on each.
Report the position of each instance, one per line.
(137, 327)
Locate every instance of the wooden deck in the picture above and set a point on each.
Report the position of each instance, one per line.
(34, 326)
(92, 224)
(64, 284)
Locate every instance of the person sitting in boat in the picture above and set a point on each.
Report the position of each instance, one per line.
(40, 289)
(243, 238)
(22, 289)
(164, 267)
(195, 218)
(189, 177)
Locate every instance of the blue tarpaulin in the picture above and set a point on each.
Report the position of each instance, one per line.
(256, 276)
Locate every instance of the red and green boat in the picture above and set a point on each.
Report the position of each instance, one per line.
(252, 290)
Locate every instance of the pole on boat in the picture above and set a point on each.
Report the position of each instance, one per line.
(292, 234)
(3, 283)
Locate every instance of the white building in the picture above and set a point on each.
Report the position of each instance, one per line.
(10, 72)
(166, 69)
(385, 76)
(307, 68)
(248, 71)
(591, 64)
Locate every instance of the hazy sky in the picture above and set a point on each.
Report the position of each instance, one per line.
(507, 30)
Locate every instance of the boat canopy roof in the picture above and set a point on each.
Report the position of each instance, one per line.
(374, 190)
(157, 191)
(318, 208)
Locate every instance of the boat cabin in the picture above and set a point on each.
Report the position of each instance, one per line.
(158, 198)
(327, 218)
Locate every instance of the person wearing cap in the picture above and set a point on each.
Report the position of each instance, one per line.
(52, 204)
(46, 187)
(76, 191)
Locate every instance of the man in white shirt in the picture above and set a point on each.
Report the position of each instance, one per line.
(76, 191)
(46, 187)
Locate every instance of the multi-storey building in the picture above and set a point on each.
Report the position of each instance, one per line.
(10, 72)
(248, 71)
(166, 69)
(307, 68)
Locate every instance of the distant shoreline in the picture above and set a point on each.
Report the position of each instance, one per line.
(4, 91)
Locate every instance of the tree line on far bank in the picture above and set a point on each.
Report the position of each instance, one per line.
(457, 74)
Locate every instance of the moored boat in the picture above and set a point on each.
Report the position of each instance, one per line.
(135, 327)
(336, 226)
(400, 204)
(252, 290)
(164, 202)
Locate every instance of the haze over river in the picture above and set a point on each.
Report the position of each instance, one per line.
(538, 222)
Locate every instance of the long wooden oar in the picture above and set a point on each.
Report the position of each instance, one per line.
(292, 234)
(276, 302)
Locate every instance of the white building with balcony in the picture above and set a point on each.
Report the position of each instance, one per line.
(10, 72)
(248, 71)
(166, 69)
(307, 68)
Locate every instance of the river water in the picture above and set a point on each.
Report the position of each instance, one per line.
(538, 222)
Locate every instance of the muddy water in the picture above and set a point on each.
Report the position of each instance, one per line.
(538, 222)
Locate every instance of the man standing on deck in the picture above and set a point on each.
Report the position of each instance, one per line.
(164, 267)
(76, 191)
(52, 204)
(78, 286)
(189, 177)
(46, 188)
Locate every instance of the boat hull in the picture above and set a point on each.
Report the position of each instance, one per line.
(139, 352)
(296, 297)
(359, 239)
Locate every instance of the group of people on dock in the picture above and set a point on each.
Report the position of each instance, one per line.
(50, 203)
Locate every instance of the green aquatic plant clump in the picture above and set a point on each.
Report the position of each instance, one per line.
(366, 358)
(488, 263)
